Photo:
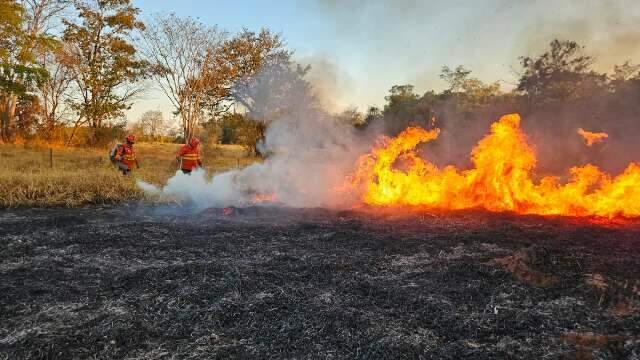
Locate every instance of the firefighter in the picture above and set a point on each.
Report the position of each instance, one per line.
(125, 156)
(189, 156)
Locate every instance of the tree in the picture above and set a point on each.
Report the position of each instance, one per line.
(241, 129)
(279, 91)
(44, 19)
(45, 15)
(19, 74)
(56, 90)
(153, 124)
(403, 108)
(457, 79)
(204, 74)
(558, 74)
(351, 116)
(626, 71)
(245, 66)
(373, 114)
(400, 100)
(249, 134)
(181, 52)
(625, 78)
(469, 91)
(105, 64)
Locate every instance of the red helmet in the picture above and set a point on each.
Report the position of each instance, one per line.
(194, 141)
(130, 138)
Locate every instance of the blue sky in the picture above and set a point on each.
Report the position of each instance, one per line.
(358, 49)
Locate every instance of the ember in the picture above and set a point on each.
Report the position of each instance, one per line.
(501, 179)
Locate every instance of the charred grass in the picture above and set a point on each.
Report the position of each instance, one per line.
(115, 283)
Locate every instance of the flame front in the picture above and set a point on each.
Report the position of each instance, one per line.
(500, 180)
(591, 138)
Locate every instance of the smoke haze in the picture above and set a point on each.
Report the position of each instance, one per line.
(310, 153)
(408, 41)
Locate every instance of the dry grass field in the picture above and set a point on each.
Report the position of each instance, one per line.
(77, 176)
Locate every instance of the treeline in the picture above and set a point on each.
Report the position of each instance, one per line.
(556, 92)
(70, 70)
(560, 79)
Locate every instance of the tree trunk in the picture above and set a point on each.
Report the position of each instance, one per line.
(7, 113)
(94, 136)
(73, 132)
(187, 125)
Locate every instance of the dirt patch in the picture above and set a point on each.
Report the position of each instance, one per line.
(597, 281)
(620, 298)
(626, 308)
(590, 346)
(520, 266)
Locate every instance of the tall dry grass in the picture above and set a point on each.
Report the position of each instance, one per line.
(84, 176)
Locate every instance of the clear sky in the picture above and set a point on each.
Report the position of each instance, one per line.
(358, 49)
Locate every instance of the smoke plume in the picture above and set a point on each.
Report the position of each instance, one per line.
(309, 154)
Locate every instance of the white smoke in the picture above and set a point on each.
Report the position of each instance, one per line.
(308, 160)
(309, 152)
(199, 190)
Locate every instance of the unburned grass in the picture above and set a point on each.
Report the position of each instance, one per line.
(30, 176)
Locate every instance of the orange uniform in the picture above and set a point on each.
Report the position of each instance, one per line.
(190, 157)
(126, 156)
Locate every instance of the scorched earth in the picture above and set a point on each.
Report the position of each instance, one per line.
(156, 283)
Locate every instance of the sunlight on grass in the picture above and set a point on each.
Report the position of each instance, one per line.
(84, 176)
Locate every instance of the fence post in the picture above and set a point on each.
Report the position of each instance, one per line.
(238, 162)
(51, 158)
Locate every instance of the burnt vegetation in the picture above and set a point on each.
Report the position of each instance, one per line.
(126, 282)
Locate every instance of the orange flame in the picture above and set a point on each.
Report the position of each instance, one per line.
(263, 197)
(591, 138)
(501, 179)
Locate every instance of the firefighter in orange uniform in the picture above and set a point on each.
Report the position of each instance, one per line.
(189, 156)
(125, 156)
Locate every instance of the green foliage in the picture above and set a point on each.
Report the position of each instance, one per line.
(401, 100)
(20, 79)
(474, 91)
(12, 16)
(18, 70)
(468, 92)
(405, 108)
(242, 130)
(558, 74)
(19, 75)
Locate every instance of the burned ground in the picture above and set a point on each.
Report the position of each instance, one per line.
(130, 282)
